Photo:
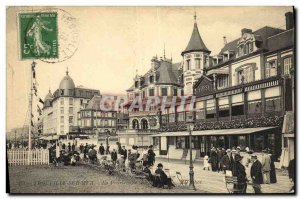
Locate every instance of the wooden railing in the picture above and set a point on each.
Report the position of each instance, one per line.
(26, 157)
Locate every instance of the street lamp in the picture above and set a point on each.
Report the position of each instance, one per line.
(190, 126)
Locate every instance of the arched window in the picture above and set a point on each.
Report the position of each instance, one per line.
(135, 124)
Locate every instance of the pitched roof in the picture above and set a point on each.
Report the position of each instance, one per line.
(280, 41)
(261, 34)
(196, 43)
(166, 74)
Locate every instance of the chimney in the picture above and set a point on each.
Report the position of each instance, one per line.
(289, 20)
(246, 30)
(225, 40)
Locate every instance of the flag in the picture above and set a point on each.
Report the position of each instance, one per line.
(39, 110)
(32, 124)
(41, 101)
(33, 74)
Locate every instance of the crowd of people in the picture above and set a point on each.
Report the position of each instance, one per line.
(121, 160)
(232, 163)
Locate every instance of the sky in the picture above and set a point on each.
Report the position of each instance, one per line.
(116, 43)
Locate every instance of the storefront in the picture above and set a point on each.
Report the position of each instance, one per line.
(256, 139)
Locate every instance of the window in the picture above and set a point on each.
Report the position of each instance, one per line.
(71, 120)
(61, 110)
(175, 92)
(222, 81)
(164, 91)
(254, 107)
(62, 100)
(180, 117)
(71, 93)
(245, 75)
(62, 119)
(81, 102)
(273, 104)
(237, 109)
(136, 84)
(62, 91)
(172, 117)
(197, 61)
(271, 68)
(210, 108)
(287, 65)
(151, 92)
(71, 101)
(188, 64)
(151, 79)
(71, 110)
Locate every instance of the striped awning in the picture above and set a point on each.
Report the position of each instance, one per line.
(241, 131)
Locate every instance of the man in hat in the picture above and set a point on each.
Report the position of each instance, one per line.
(114, 156)
(256, 174)
(227, 161)
(238, 170)
(101, 149)
(151, 156)
(266, 166)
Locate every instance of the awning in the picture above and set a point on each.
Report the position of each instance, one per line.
(241, 131)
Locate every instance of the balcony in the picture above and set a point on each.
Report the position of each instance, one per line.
(143, 113)
(267, 120)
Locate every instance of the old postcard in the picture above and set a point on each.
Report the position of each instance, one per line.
(160, 100)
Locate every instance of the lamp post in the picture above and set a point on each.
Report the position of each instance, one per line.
(190, 127)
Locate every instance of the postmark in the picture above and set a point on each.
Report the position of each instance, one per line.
(41, 43)
(38, 35)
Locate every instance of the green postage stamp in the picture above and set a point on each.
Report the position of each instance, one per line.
(38, 35)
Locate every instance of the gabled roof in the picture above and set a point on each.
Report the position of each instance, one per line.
(196, 43)
(166, 73)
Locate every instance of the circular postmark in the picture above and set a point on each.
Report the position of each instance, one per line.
(68, 36)
(50, 35)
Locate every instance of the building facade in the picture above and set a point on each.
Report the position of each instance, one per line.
(59, 113)
(242, 94)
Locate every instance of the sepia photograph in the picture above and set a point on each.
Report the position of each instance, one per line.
(150, 100)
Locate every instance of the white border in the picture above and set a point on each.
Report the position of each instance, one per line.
(5, 3)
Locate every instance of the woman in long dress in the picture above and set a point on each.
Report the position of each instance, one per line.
(273, 178)
(214, 159)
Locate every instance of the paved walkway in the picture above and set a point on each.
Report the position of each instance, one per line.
(213, 182)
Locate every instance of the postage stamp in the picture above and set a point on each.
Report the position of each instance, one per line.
(38, 35)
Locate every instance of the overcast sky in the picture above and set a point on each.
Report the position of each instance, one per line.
(115, 42)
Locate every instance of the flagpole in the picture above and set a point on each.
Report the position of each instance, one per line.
(30, 112)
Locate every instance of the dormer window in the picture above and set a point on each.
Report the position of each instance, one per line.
(136, 84)
(151, 79)
(62, 92)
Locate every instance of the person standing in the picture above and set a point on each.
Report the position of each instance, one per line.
(151, 156)
(69, 147)
(57, 151)
(220, 155)
(227, 161)
(124, 153)
(73, 147)
(101, 149)
(107, 149)
(238, 170)
(273, 178)
(266, 167)
(114, 156)
(214, 159)
(81, 148)
(291, 170)
(256, 174)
